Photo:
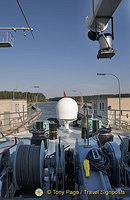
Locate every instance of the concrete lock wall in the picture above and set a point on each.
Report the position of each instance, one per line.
(12, 112)
(107, 109)
(5, 110)
(99, 107)
(113, 105)
(19, 107)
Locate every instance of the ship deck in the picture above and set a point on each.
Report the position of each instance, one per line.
(67, 138)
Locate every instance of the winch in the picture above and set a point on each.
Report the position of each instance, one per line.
(94, 172)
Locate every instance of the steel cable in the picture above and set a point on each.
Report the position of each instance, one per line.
(25, 17)
(100, 165)
(28, 166)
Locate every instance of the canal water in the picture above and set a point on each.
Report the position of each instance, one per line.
(48, 110)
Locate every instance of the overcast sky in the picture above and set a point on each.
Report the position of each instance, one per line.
(61, 57)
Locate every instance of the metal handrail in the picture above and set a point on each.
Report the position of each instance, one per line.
(10, 147)
(6, 37)
(18, 120)
(125, 124)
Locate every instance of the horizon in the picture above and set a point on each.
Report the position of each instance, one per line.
(101, 94)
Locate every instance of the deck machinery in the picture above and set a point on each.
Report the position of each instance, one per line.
(87, 172)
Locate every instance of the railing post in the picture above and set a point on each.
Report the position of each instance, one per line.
(0, 126)
(7, 37)
(115, 117)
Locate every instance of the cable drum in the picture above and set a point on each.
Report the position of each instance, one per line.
(28, 172)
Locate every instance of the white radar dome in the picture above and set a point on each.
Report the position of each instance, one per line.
(67, 109)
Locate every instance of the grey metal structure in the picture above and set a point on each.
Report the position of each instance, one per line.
(93, 186)
(101, 13)
(7, 40)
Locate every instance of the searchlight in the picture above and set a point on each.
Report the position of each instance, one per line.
(97, 22)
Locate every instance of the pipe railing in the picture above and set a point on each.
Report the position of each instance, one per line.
(112, 117)
(12, 121)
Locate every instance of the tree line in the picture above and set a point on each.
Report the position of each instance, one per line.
(31, 97)
(88, 99)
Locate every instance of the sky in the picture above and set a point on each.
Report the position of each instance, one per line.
(61, 57)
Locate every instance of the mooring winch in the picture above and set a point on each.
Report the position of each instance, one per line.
(85, 168)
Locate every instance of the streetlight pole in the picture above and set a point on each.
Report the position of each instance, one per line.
(82, 100)
(36, 86)
(14, 93)
(83, 105)
(103, 74)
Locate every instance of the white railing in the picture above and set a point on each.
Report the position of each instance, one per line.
(12, 122)
(111, 117)
(6, 37)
